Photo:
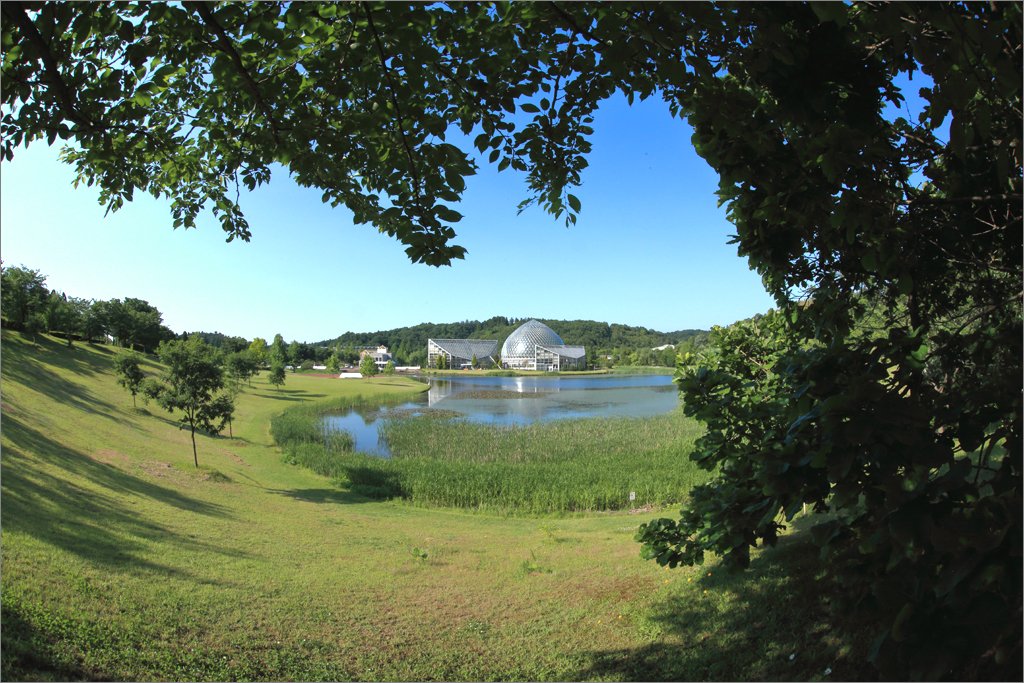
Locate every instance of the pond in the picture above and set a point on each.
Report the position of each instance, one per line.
(516, 401)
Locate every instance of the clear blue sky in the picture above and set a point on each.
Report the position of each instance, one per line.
(650, 248)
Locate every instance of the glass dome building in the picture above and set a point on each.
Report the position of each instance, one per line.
(535, 346)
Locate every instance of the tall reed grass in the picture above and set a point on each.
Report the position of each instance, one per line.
(545, 468)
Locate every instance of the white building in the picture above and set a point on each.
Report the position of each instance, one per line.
(535, 346)
(381, 355)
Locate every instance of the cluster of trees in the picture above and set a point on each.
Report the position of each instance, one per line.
(28, 305)
(199, 382)
(908, 440)
(625, 344)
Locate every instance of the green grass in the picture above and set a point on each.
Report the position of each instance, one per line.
(565, 466)
(552, 467)
(122, 561)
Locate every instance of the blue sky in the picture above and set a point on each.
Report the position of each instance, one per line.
(650, 248)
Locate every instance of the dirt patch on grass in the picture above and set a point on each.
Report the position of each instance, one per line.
(156, 468)
(236, 458)
(110, 456)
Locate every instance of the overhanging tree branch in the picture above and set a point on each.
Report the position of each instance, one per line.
(394, 100)
(225, 45)
(66, 99)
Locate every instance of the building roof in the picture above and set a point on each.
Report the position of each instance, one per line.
(521, 343)
(467, 348)
(564, 351)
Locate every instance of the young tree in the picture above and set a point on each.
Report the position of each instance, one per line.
(278, 349)
(240, 367)
(129, 372)
(258, 353)
(389, 367)
(276, 376)
(294, 351)
(333, 364)
(191, 384)
(221, 411)
(367, 366)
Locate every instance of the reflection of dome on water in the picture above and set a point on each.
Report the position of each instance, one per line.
(535, 346)
(521, 343)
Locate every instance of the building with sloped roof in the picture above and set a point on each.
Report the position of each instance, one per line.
(460, 353)
(535, 346)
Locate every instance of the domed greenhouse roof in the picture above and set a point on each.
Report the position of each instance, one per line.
(521, 342)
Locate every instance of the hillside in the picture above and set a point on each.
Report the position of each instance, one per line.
(599, 337)
(122, 561)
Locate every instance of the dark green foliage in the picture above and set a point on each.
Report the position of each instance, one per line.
(191, 384)
(24, 295)
(367, 366)
(129, 373)
(902, 417)
(333, 363)
(240, 365)
(133, 322)
(276, 375)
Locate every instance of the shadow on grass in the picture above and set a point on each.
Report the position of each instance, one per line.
(29, 370)
(338, 496)
(98, 525)
(296, 395)
(776, 610)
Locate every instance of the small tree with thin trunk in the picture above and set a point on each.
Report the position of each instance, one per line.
(367, 366)
(129, 374)
(333, 363)
(276, 376)
(193, 379)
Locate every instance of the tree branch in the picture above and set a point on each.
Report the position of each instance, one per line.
(65, 97)
(394, 99)
(225, 45)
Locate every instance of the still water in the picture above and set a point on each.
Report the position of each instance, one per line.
(517, 401)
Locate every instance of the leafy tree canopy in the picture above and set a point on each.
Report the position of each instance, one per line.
(367, 366)
(129, 372)
(191, 385)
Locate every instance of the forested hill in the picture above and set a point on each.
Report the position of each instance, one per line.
(407, 342)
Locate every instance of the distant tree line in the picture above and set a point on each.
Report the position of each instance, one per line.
(30, 306)
(607, 344)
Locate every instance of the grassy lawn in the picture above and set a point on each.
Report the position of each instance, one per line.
(123, 561)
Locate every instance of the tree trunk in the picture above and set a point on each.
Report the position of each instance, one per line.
(194, 456)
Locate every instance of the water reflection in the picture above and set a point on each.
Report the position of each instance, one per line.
(517, 401)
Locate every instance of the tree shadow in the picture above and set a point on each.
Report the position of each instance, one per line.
(337, 496)
(30, 371)
(97, 525)
(30, 654)
(778, 627)
(279, 397)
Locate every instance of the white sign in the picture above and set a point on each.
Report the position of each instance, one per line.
(632, 496)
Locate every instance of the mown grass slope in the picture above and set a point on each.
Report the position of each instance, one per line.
(123, 561)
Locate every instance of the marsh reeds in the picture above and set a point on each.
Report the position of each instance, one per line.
(556, 467)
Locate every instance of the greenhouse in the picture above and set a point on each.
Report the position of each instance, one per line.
(535, 346)
(460, 353)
